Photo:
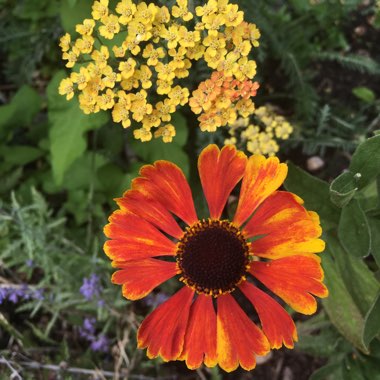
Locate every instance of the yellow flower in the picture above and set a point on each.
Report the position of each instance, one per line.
(66, 87)
(142, 134)
(242, 48)
(228, 65)
(86, 28)
(119, 51)
(146, 13)
(71, 56)
(127, 68)
(227, 116)
(188, 38)
(209, 8)
(85, 44)
(284, 130)
(81, 78)
(165, 71)
(232, 15)
(178, 55)
(167, 132)
(195, 52)
(254, 34)
(216, 60)
(181, 11)
(106, 100)
(132, 45)
(214, 43)
(99, 9)
(126, 9)
(162, 15)
(164, 109)
(209, 122)
(143, 75)
(183, 72)
(120, 112)
(179, 95)
(110, 26)
(153, 54)
(110, 77)
(139, 31)
(95, 85)
(171, 35)
(164, 86)
(152, 120)
(213, 23)
(140, 110)
(245, 107)
(64, 42)
(246, 69)
(101, 56)
(87, 102)
(230, 141)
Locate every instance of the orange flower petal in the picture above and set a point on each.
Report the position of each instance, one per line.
(287, 227)
(294, 279)
(238, 338)
(150, 210)
(220, 171)
(163, 331)
(139, 278)
(276, 323)
(261, 178)
(200, 338)
(134, 238)
(166, 183)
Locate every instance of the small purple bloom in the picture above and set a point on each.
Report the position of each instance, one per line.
(3, 294)
(29, 263)
(88, 329)
(38, 294)
(100, 344)
(15, 294)
(91, 287)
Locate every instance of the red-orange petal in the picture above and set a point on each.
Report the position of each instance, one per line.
(200, 338)
(276, 323)
(163, 331)
(140, 277)
(151, 210)
(294, 279)
(134, 238)
(261, 178)
(166, 182)
(220, 171)
(238, 338)
(285, 226)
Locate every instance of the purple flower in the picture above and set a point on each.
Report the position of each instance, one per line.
(3, 294)
(14, 294)
(88, 329)
(29, 263)
(38, 294)
(91, 287)
(100, 344)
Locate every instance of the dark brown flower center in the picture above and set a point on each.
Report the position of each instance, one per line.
(213, 257)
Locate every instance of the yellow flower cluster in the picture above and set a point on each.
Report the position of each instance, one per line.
(131, 59)
(261, 137)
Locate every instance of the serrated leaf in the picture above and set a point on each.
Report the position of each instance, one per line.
(365, 161)
(343, 189)
(353, 230)
(340, 306)
(67, 127)
(315, 193)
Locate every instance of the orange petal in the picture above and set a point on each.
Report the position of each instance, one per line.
(220, 171)
(150, 210)
(166, 183)
(294, 279)
(139, 278)
(134, 238)
(200, 338)
(276, 323)
(261, 178)
(287, 228)
(163, 331)
(238, 338)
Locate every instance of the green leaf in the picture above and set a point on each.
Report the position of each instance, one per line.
(359, 280)
(343, 189)
(67, 127)
(20, 154)
(372, 322)
(374, 224)
(340, 306)
(20, 111)
(366, 161)
(326, 371)
(315, 193)
(353, 230)
(365, 94)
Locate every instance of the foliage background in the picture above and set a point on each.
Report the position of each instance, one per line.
(318, 63)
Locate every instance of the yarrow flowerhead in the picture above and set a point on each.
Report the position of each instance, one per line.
(221, 262)
(261, 135)
(135, 57)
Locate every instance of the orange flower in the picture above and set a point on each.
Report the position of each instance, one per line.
(214, 257)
